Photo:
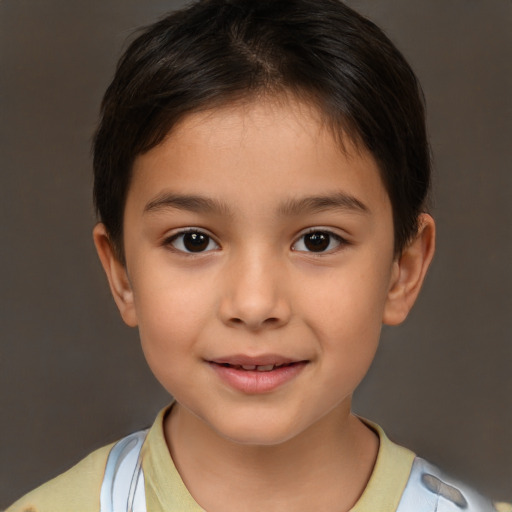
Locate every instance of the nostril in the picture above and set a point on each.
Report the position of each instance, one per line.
(269, 322)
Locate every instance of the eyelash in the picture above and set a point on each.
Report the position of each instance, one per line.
(329, 235)
(170, 241)
(204, 241)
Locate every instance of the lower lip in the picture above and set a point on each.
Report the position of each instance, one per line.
(254, 382)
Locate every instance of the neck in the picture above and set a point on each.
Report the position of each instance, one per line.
(325, 467)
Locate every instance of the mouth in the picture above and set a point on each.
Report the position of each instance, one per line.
(257, 367)
(257, 375)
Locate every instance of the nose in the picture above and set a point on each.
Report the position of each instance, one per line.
(254, 293)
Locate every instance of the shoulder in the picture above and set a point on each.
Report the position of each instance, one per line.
(428, 489)
(403, 482)
(78, 489)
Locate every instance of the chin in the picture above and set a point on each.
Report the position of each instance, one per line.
(257, 438)
(257, 431)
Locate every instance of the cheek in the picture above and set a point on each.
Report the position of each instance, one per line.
(171, 318)
(349, 301)
(345, 312)
(170, 301)
(350, 340)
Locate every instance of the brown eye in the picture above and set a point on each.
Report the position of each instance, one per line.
(193, 242)
(318, 241)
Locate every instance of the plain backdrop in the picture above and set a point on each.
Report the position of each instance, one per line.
(72, 376)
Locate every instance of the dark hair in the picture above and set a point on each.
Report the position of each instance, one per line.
(220, 51)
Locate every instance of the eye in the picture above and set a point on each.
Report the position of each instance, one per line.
(192, 241)
(318, 241)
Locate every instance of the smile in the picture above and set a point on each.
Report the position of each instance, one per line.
(249, 377)
(254, 367)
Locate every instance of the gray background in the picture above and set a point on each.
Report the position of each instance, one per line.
(72, 377)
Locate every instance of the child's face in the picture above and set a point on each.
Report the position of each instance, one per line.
(252, 239)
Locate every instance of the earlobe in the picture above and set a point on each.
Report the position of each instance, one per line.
(409, 272)
(116, 274)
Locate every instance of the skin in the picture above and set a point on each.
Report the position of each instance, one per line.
(258, 290)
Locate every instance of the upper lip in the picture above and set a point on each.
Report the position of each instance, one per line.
(261, 360)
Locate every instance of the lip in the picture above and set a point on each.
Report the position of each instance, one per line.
(254, 382)
(259, 360)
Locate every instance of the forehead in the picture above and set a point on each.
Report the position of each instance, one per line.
(254, 154)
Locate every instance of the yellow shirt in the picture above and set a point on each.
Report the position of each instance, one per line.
(78, 489)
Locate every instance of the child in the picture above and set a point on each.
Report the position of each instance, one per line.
(261, 173)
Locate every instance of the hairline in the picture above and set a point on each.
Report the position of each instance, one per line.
(343, 132)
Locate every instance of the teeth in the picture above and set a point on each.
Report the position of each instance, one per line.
(254, 367)
(265, 368)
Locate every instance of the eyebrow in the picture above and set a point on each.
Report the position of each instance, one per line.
(317, 204)
(192, 203)
(291, 207)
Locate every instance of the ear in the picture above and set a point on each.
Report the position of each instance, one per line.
(409, 272)
(116, 274)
